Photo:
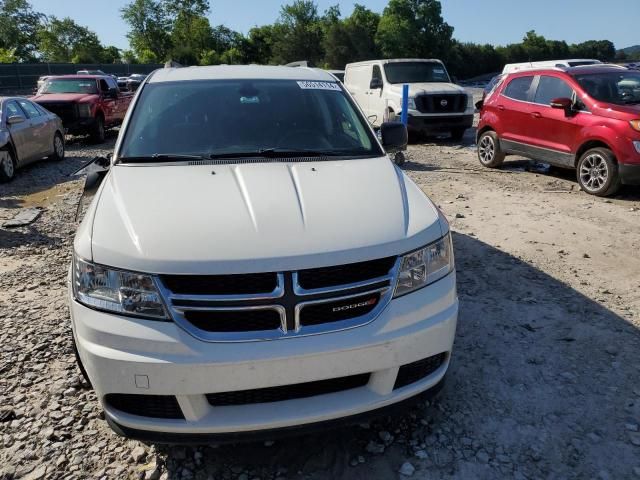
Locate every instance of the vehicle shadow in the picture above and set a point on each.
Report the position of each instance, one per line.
(542, 383)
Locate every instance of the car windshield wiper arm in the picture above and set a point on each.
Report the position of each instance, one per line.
(279, 152)
(161, 156)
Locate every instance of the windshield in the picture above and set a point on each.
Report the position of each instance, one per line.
(237, 117)
(416, 72)
(69, 85)
(621, 88)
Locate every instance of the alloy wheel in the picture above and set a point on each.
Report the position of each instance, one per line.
(7, 165)
(486, 149)
(594, 172)
(59, 146)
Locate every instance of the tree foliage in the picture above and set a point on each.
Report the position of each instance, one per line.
(19, 26)
(149, 24)
(63, 40)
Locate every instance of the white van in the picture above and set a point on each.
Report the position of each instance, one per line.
(436, 105)
(573, 62)
(253, 261)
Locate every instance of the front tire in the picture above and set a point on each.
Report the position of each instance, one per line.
(490, 153)
(58, 147)
(98, 133)
(597, 172)
(7, 166)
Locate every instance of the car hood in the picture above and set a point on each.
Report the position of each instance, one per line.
(258, 217)
(429, 88)
(63, 97)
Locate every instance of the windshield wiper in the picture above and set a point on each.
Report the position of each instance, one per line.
(162, 157)
(281, 152)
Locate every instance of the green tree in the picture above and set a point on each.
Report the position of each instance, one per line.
(191, 36)
(258, 47)
(149, 29)
(19, 26)
(195, 8)
(66, 41)
(111, 54)
(362, 26)
(298, 33)
(599, 49)
(128, 56)
(7, 56)
(413, 28)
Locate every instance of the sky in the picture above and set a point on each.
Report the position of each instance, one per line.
(498, 22)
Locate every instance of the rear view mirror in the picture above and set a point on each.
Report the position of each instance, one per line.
(375, 83)
(14, 119)
(394, 136)
(561, 103)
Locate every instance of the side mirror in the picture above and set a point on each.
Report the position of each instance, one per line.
(561, 103)
(96, 170)
(479, 105)
(394, 136)
(375, 84)
(112, 92)
(15, 119)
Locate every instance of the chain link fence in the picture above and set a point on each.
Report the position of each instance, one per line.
(22, 78)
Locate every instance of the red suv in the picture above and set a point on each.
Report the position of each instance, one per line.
(587, 118)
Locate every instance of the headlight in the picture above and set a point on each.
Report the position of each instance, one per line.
(411, 105)
(84, 110)
(117, 291)
(425, 266)
(470, 103)
(635, 124)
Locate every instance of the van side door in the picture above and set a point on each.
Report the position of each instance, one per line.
(377, 99)
(357, 79)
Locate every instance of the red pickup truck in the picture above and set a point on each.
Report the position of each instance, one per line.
(87, 104)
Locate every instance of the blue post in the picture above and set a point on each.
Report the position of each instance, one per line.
(405, 104)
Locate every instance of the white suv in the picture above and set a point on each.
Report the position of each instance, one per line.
(436, 105)
(253, 260)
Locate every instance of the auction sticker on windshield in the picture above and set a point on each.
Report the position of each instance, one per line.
(318, 85)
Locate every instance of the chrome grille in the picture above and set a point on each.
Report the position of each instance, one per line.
(275, 305)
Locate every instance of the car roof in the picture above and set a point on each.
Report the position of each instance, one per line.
(249, 72)
(395, 60)
(584, 69)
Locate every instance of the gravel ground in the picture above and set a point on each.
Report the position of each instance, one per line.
(544, 382)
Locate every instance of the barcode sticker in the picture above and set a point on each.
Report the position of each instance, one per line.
(306, 85)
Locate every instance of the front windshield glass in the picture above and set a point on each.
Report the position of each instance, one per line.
(621, 88)
(416, 72)
(69, 85)
(227, 117)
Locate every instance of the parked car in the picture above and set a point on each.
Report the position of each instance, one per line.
(254, 261)
(122, 83)
(436, 105)
(134, 81)
(28, 133)
(573, 62)
(587, 118)
(91, 72)
(87, 104)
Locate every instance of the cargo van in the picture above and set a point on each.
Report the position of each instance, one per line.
(436, 104)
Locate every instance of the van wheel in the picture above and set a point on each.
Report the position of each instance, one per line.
(598, 172)
(98, 134)
(7, 166)
(489, 152)
(58, 147)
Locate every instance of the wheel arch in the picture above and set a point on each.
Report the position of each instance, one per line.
(588, 145)
(486, 128)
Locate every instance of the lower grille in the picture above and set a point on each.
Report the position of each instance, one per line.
(288, 392)
(154, 406)
(445, 103)
(234, 320)
(416, 371)
(336, 311)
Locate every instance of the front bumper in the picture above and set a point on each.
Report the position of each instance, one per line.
(438, 124)
(629, 173)
(131, 356)
(79, 126)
